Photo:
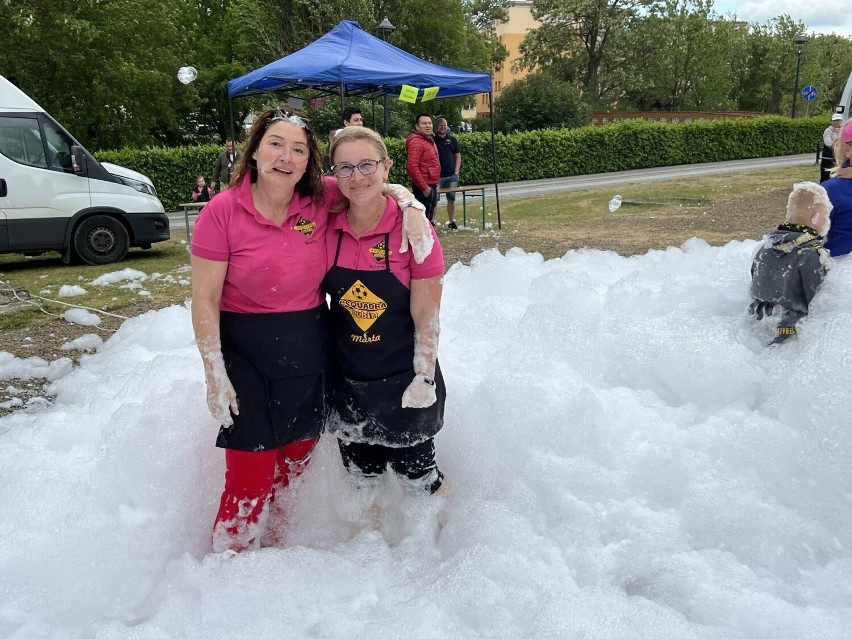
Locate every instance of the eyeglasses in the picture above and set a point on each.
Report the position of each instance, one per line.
(366, 167)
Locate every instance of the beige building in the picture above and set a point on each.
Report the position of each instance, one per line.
(510, 34)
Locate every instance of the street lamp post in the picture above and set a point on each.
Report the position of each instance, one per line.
(385, 29)
(800, 40)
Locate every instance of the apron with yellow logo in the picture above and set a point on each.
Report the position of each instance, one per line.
(373, 334)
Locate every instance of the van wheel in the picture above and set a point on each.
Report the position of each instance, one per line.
(101, 240)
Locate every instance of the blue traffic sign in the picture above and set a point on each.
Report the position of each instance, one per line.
(810, 92)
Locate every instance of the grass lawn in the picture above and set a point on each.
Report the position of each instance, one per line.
(530, 223)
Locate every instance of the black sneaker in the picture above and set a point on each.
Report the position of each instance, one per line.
(452, 226)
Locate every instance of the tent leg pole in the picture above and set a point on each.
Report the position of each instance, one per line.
(385, 107)
(231, 118)
(494, 156)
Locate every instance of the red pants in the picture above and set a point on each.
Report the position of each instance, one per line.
(251, 481)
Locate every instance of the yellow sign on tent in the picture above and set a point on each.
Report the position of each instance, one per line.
(430, 93)
(408, 94)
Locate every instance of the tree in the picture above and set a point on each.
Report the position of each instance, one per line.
(105, 70)
(766, 82)
(484, 16)
(679, 58)
(826, 63)
(576, 37)
(539, 101)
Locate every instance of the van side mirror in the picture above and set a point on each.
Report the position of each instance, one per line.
(78, 160)
(63, 159)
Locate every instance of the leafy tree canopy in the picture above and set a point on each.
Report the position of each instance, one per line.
(539, 101)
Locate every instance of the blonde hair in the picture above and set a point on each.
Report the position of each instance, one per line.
(358, 134)
(807, 200)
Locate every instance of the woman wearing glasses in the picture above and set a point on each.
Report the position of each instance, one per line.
(260, 319)
(388, 390)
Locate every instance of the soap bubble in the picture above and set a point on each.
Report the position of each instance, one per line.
(187, 74)
(614, 203)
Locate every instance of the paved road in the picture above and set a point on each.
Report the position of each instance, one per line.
(530, 188)
(554, 185)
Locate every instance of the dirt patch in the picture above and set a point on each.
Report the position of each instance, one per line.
(627, 232)
(632, 231)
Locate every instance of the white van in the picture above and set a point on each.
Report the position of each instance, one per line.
(55, 196)
(845, 106)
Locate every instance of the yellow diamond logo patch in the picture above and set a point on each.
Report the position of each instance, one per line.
(363, 305)
(305, 227)
(378, 251)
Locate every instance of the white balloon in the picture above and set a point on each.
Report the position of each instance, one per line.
(187, 74)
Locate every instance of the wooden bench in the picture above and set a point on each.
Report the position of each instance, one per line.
(190, 208)
(472, 190)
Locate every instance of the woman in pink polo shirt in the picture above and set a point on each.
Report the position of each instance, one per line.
(389, 393)
(261, 321)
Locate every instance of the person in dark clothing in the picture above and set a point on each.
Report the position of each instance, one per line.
(224, 165)
(791, 264)
(326, 158)
(829, 138)
(352, 116)
(449, 155)
(201, 192)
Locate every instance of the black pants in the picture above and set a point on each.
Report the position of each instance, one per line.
(430, 201)
(415, 463)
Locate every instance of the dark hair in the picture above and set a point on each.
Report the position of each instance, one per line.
(421, 115)
(311, 182)
(348, 112)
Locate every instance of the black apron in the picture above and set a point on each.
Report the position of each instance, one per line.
(826, 163)
(278, 365)
(373, 337)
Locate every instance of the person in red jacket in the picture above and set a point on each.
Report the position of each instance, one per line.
(423, 165)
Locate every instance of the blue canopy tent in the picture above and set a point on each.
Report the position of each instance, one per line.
(349, 61)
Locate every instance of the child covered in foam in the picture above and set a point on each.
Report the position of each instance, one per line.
(791, 264)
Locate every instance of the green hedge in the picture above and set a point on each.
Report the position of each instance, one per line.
(173, 171)
(537, 154)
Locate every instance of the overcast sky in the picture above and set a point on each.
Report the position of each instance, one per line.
(829, 16)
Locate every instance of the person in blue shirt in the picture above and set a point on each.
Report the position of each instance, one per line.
(839, 189)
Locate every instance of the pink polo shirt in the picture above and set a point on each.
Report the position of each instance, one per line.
(271, 269)
(367, 252)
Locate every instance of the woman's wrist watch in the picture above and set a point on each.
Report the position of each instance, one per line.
(412, 204)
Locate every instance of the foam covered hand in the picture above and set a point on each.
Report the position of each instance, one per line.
(221, 396)
(420, 393)
(416, 231)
